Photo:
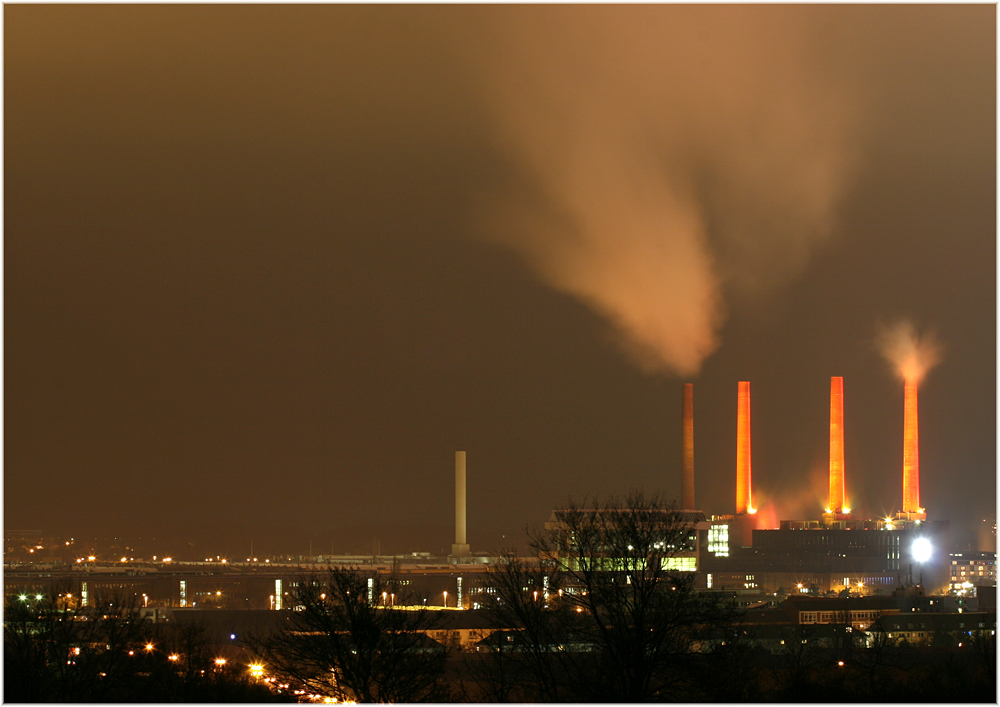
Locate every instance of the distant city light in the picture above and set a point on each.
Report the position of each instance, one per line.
(220, 661)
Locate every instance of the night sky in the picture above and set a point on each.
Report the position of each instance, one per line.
(267, 267)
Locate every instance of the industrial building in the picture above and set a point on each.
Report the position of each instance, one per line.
(835, 551)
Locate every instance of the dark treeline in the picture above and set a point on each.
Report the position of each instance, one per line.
(58, 651)
(607, 613)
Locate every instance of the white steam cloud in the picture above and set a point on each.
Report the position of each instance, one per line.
(910, 354)
(666, 154)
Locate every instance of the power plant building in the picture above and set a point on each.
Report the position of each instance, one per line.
(834, 552)
(865, 556)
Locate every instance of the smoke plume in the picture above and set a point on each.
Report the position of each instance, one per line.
(665, 158)
(910, 354)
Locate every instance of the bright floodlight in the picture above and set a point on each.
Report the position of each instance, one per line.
(921, 549)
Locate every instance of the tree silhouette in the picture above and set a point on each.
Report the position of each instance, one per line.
(341, 644)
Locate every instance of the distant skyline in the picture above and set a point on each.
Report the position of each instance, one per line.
(268, 267)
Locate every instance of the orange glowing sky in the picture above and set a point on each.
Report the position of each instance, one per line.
(268, 267)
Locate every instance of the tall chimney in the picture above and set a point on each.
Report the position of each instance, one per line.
(461, 547)
(744, 504)
(687, 481)
(837, 480)
(911, 451)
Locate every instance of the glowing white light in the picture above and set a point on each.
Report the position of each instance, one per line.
(922, 549)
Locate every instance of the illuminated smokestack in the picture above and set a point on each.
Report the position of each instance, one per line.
(461, 547)
(911, 450)
(837, 480)
(687, 481)
(744, 503)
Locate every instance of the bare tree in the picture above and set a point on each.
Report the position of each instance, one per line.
(610, 611)
(341, 643)
(523, 664)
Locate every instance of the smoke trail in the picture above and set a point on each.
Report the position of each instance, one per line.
(911, 355)
(665, 155)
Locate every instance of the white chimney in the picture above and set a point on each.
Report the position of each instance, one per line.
(461, 546)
